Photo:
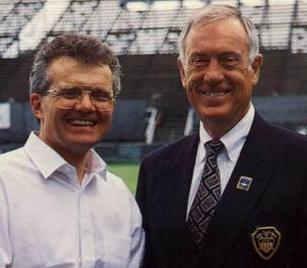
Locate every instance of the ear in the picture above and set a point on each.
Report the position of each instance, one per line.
(182, 72)
(36, 105)
(256, 66)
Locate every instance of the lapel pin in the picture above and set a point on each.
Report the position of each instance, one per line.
(244, 183)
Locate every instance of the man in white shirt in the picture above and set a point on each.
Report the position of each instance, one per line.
(234, 195)
(59, 205)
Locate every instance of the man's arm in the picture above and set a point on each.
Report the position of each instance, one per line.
(5, 245)
(300, 255)
(141, 198)
(137, 238)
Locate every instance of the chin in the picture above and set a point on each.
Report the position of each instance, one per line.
(79, 148)
(216, 115)
(83, 144)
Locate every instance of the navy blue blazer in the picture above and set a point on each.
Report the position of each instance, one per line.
(261, 219)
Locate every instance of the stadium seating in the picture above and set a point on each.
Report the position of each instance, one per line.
(146, 43)
(13, 17)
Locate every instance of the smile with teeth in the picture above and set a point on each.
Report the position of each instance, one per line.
(215, 93)
(81, 122)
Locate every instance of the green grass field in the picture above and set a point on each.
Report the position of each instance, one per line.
(128, 172)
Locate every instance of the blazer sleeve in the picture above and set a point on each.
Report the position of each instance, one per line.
(300, 255)
(141, 198)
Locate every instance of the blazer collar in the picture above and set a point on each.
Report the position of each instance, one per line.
(184, 151)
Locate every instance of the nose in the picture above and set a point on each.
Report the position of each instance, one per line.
(213, 73)
(85, 102)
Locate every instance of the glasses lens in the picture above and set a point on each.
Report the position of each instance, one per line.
(68, 98)
(103, 106)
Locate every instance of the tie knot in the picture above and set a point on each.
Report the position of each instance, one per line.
(214, 146)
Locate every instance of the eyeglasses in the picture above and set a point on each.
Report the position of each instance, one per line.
(68, 98)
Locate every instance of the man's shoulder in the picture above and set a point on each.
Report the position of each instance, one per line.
(117, 182)
(13, 156)
(277, 135)
(282, 144)
(13, 165)
(114, 178)
(172, 150)
(288, 137)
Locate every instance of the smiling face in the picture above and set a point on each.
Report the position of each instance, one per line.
(75, 130)
(217, 74)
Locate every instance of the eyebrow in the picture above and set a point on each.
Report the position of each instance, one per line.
(225, 53)
(86, 88)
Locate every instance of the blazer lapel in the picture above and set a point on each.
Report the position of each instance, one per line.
(177, 181)
(169, 195)
(236, 205)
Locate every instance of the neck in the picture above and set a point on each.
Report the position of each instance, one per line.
(79, 162)
(75, 155)
(76, 159)
(217, 128)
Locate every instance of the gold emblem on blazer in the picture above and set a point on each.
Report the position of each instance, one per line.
(266, 241)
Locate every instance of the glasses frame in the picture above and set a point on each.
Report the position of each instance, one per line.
(79, 98)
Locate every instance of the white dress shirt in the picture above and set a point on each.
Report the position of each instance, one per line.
(233, 141)
(47, 219)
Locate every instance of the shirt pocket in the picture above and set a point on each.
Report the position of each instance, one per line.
(117, 251)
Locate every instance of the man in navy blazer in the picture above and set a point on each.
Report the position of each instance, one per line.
(261, 217)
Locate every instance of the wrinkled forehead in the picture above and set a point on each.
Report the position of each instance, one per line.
(66, 71)
(214, 13)
(200, 21)
(225, 25)
(71, 62)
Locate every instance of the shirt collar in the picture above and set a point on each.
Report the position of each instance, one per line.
(48, 161)
(235, 137)
(97, 165)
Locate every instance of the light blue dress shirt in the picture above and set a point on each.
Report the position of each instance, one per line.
(47, 219)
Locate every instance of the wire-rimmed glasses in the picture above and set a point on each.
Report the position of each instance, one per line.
(67, 98)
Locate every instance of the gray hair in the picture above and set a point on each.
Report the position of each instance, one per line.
(212, 13)
(85, 49)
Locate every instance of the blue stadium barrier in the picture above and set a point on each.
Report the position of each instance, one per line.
(128, 124)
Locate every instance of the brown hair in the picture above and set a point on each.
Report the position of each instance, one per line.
(85, 49)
